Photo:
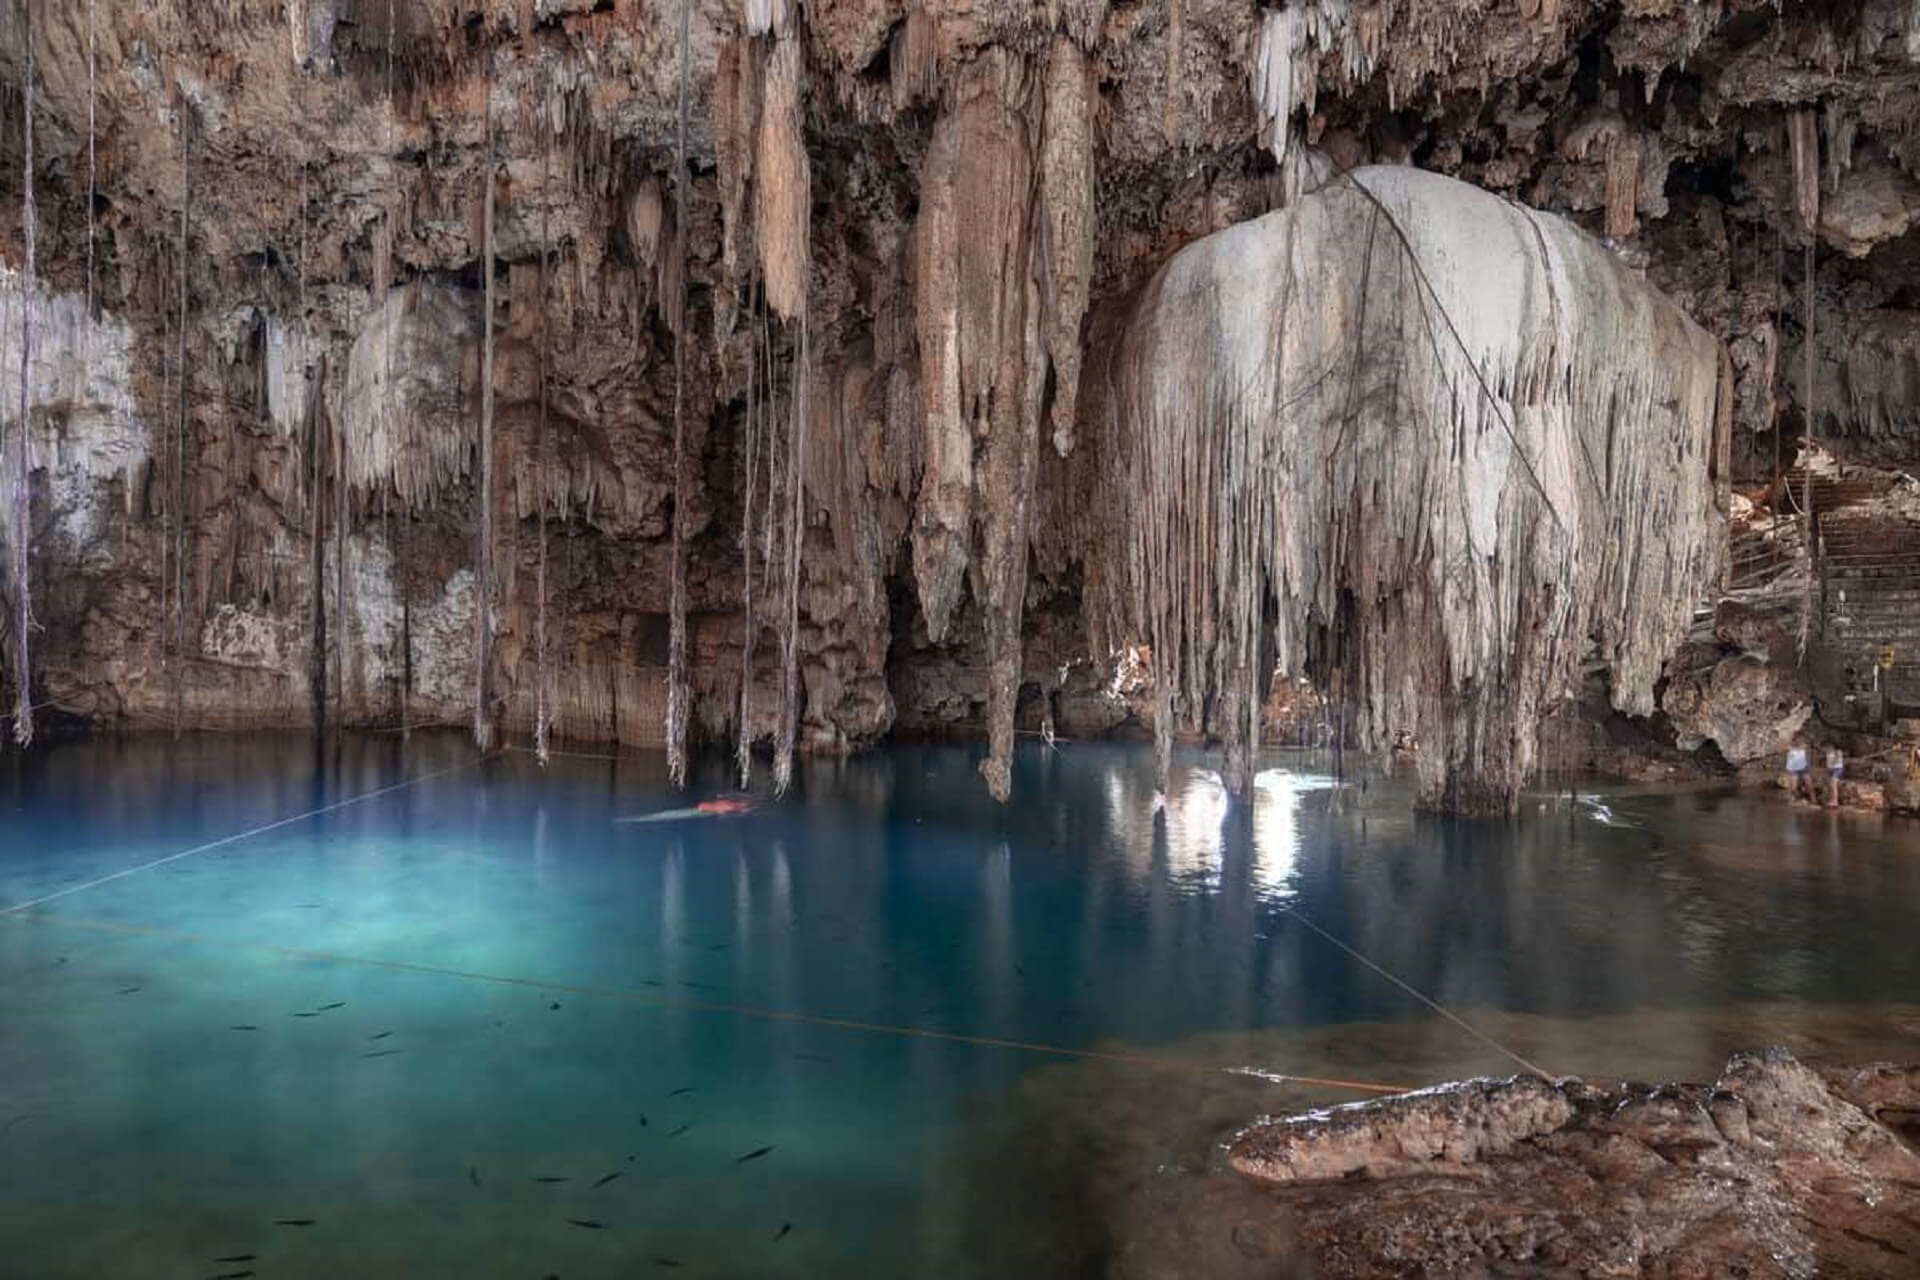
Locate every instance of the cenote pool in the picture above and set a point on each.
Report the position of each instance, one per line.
(384, 1009)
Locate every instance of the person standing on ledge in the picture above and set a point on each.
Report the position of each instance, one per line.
(1836, 765)
(1796, 769)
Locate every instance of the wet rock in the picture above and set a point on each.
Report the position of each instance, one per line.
(1777, 1169)
(1751, 708)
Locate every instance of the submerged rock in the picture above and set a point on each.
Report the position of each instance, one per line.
(1778, 1168)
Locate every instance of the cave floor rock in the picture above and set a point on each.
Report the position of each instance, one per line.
(1777, 1169)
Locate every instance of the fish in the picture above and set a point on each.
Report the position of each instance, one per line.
(231, 1275)
(550, 1178)
(755, 1154)
(243, 1027)
(380, 1035)
(662, 1260)
(682, 1129)
(293, 1222)
(699, 986)
(306, 1015)
(382, 1053)
(812, 1057)
(719, 946)
(337, 1004)
(588, 1223)
(237, 1257)
(677, 1092)
(609, 1178)
(127, 991)
(473, 1174)
(649, 982)
(643, 1119)
(554, 1005)
(781, 1234)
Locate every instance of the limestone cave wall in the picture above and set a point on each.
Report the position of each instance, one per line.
(882, 298)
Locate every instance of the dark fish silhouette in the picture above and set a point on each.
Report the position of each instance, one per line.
(553, 1179)
(382, 1053)
(127, 991)
(380, 1036)
(243, 1028)
(473, 1174)
(677, 1092)
(551, 1007)
(236, 1257)
(231, 1275)
(643, 1119)
(781, 1234)
(306, 1015)
(682, 1129)
(755, 1154)
(293, 1222)
(588, 1223)
(337, 1004)
(662, 1260)
(649, 982)
(698, 986)
(609, 1178)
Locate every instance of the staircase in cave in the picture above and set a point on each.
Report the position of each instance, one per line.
(1868, 587)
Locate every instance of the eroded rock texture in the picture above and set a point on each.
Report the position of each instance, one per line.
(908, 235)
(1777, 1169)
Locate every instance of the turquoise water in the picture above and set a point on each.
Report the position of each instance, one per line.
(419, 1033)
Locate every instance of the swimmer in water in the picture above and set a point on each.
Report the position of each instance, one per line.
(719, 807)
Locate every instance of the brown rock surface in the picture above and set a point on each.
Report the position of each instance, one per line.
(1777, 1169)
(962, 196)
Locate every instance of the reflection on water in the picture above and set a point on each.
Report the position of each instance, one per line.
(839, 977)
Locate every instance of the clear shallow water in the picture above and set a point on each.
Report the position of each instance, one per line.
(864, 979)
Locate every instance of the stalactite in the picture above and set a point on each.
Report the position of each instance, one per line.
(677, 693)
(23, 474)
(1623, 184)
(1409, 447)
(982, 244)
(783, 185)
(1067, 194)
(483, 532)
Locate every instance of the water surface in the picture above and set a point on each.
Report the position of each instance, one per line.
(432, 1020)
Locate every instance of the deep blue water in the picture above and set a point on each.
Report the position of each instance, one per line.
(394, 1017)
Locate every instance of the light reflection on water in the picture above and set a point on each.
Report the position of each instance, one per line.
(733, 957)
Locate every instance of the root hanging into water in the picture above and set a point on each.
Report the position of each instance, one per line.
(749, 625)
(542, 703)
(483, 525)
(180, 513)
(677, 693)
(23, 466)
(796, 531)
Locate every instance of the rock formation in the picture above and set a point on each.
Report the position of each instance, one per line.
(1777, 1169)
(1460, 444)
(894, 267)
